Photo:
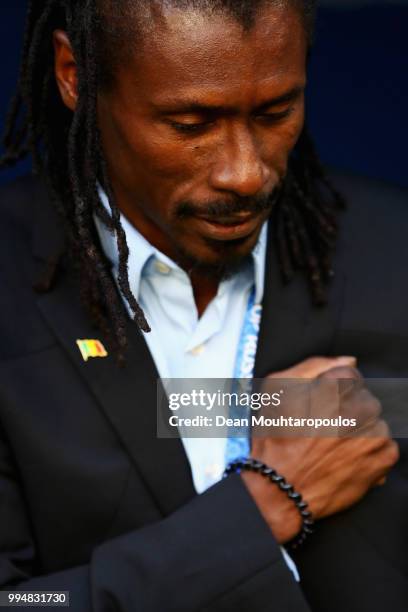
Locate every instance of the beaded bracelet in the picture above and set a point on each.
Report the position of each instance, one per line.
(253, 465)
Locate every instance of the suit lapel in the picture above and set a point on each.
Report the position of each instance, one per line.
(127, 397)
(292, 328)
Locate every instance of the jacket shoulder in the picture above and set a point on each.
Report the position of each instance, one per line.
(372, 255)
(20, 198)
(374, 224)
(21, 328)
(371, 201)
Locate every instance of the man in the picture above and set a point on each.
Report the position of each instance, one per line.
(169, 133)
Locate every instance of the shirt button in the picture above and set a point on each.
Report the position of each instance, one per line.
(162, 267)
(197, 350)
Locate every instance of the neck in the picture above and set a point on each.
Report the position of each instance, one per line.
(204, 289)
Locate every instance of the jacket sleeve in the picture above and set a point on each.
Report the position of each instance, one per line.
(216, 554)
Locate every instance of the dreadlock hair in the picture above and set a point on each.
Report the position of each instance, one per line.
(66, 150)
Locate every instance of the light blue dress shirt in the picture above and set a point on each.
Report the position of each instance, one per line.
(182, 344)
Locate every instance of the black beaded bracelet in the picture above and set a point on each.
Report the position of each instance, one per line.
(253, 465)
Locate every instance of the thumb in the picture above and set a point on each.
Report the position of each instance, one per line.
(315, 366)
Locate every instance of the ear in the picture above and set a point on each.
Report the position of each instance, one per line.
(65, 69)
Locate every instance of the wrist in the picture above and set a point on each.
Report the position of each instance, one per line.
(278, 511)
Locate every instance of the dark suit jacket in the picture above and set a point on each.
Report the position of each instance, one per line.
(92, 502)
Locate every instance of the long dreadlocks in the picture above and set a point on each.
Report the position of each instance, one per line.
(304, 219)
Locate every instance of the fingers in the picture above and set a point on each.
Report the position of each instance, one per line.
(315, 366)
(338, 390)
(360, 404)
(385, 460)
(342, 371)
(392, 452)
(355, 401)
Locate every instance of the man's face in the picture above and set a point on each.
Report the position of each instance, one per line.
(198, 126)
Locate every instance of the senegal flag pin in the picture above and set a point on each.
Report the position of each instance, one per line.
(91, 348)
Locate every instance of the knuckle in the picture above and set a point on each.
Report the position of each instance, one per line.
(311, 366)
(375, 408)
(385, 429)
(312, 361)
(342, 372)
(363, 405)
(393, 453)
(380, 433)
(372, 405)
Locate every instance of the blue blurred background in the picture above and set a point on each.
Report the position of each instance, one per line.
(358, 84)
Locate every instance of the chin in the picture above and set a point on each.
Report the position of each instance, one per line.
(219, 259)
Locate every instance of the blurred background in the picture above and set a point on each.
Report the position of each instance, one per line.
(358, 84)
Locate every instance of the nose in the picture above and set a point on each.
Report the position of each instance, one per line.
(239, 167)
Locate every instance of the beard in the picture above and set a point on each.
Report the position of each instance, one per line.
(229, 256)
(225, 208)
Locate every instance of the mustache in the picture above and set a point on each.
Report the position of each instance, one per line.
(225, 208)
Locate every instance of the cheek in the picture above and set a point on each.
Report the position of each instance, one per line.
(291, 129)
(151, 152)
(142, 157)
(281, 142)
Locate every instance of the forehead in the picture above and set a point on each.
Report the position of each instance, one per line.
(188, 49)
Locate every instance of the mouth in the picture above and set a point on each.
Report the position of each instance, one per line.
(231, 227)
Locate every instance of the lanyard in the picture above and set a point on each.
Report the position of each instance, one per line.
(239, 446)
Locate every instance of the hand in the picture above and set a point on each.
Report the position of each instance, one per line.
(332, 474)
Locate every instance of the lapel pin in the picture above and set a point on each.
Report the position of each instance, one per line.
(91, 348)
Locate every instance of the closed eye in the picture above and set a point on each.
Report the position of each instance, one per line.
(197, 127)
(190, 128)
(276, 117)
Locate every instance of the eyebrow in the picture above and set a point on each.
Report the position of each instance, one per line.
(193, 105)
(289, 96)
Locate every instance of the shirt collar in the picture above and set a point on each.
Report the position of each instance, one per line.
(141, 252)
